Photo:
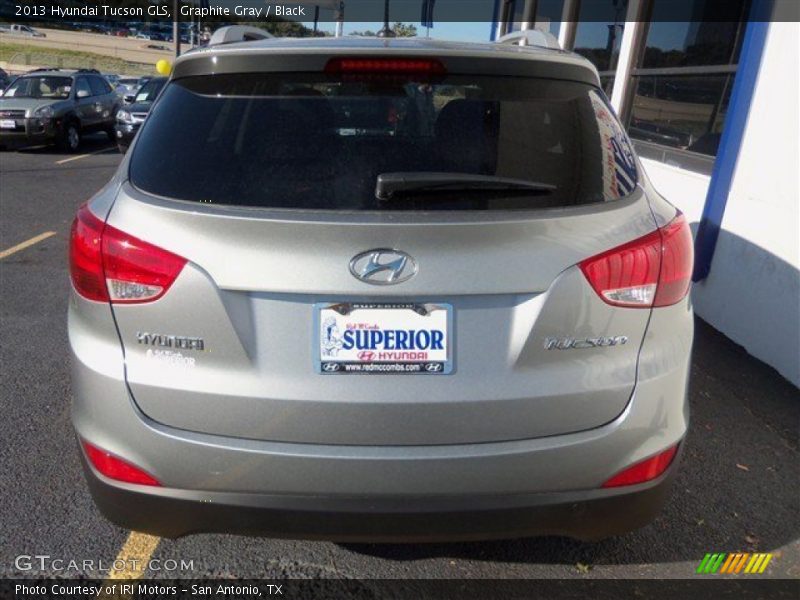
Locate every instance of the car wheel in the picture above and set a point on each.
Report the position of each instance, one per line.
(70, 137)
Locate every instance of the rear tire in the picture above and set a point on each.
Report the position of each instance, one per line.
(70, 138)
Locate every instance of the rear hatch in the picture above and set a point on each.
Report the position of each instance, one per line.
(300, 273)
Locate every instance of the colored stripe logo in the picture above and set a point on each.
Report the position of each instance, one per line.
(734, 562)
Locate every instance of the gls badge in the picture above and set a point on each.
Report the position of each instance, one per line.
(568, 343)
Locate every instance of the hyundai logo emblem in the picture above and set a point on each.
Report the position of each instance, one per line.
(330, 367)
(383, 266)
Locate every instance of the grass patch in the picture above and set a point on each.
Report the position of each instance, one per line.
(27, 54)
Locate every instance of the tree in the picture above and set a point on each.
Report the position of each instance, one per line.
(403, 30)
(400, 30)
(282, 28)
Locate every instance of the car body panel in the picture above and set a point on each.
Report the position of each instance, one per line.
(256, 316)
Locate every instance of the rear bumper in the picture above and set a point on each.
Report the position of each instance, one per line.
(586, 515)
(540, 486)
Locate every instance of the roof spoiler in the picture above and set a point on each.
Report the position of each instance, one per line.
(238, 33)
(530, 37)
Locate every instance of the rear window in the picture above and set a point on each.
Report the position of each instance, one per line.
(316, 141)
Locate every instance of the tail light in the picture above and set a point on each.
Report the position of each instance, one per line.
(645, 470)
(677, 262)
(108, 264)
(654, 270)
(116, 468)
(425, 66)
(85, 256)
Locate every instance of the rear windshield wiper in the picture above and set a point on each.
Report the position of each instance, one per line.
(390, 185)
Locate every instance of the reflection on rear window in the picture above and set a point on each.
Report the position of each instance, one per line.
(313, 141)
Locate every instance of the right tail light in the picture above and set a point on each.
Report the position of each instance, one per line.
(653, 270)
(645, 470)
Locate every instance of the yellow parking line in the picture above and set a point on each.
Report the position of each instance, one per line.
(133, 557)
(80, 156)
(130, 564)
(27, 243)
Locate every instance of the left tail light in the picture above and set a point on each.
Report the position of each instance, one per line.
(653, 270)
(107, 264)
(115, 468)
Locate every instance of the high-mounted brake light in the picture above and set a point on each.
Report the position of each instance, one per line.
(428, 66)
(645, 470)
(653, 270)
(108, 264)
(116, 468)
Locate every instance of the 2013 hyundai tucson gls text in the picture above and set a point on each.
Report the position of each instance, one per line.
(361, 289)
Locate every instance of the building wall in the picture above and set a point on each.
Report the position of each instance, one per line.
(752, 294)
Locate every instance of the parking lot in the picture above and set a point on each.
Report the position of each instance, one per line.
(738, 490)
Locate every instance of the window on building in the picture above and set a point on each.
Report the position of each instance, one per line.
(549, 14)
(599, 33)
(682, 81)
(517, 10)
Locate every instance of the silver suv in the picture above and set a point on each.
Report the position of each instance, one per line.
(362, 289)
(51, 105)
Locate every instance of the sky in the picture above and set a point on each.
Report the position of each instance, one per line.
(467, 32)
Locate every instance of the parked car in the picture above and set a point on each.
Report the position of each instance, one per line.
(112, 79)
(21, 30)
(131, 116)
(127, 87)
(409, 290)
(133, 88)
(56, 106)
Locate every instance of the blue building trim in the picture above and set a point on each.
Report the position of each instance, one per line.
(495, 18)
(732, 135)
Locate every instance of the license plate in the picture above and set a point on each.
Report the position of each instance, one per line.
(8, 124)
(383, 338)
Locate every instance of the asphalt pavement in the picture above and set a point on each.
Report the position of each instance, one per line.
(738, 488)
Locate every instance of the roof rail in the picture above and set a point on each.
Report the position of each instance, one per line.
(531, 37)
(238, 33)
(88, 71)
